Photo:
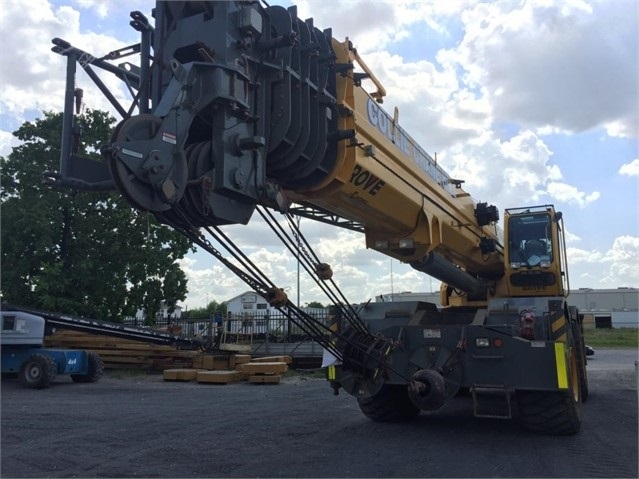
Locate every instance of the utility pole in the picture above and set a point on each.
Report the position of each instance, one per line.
(298, 263)
(392, 291)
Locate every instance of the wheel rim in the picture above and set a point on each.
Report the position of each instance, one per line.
(34, 372)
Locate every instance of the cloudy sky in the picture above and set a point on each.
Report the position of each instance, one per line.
(530, 102)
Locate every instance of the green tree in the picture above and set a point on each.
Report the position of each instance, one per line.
(314, 304)
(205, 313)
(84, 253)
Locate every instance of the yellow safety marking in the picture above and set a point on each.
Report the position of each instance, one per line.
(558, 327)
(331, 373)
(560, 361)
(558, 323)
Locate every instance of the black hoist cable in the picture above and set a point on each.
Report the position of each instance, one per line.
(232, 248)
(309, 266)
(316, 330)
(306, 324)
(347, 307)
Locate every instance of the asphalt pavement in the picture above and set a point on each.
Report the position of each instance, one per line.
(142, 426)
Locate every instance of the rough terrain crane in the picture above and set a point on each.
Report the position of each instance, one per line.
(244, 107)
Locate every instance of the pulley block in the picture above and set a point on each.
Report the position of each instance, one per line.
(323, 271)
(146, 166)
(276, 297)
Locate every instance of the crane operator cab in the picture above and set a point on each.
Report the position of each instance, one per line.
(536, 252)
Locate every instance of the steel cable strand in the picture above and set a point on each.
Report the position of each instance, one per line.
(307, 323)
(306, 263)
(246, 262)
(313, 262)
(344, 304)
(303, 320)
(359, 325)
(309, 267)
(260, 286)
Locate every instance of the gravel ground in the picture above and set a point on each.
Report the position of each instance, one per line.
(142, 426)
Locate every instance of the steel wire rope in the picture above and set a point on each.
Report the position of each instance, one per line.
(262, 285)
(304, 260)
(304, 325)
(349, 341)
(253, 282)
(239, 255)
(308, 266)
(308, 323)
(347, 308)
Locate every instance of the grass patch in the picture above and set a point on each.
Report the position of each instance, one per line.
(612, 338)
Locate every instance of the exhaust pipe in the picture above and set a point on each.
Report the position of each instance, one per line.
(427, 390)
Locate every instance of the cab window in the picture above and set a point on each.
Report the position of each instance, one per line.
(529, 242)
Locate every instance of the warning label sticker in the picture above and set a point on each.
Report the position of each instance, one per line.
(169, 137)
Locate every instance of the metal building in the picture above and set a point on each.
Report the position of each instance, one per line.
(620, 305)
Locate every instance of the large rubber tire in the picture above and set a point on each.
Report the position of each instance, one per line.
(390, 404)
(96, 368)
(580, 346)
(37, 371)
(550, 412)
(576, 327)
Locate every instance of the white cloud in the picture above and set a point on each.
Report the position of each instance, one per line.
(372, 26)
(569, 194)
(577, 255)
(630, 169)
(618, 266)
(101, 8)
(570, 237)
(624, 259)
(33, 77)
(7, 142)
(430, 96)
(511, 173)
(570, 65)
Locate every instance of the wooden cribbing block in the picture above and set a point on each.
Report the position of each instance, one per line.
(197, 361)
(265, 378)
(221, 364)
(217, 363)
(180, 374)
(273, 359)
(216, 377)
(263, 368)
(242, 358)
